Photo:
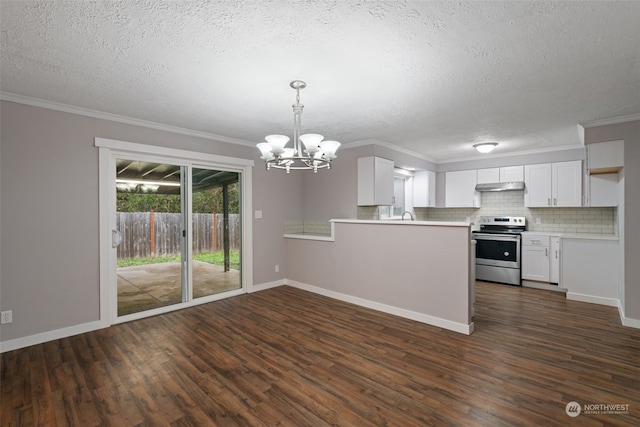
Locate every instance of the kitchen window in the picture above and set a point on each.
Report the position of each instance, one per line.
(402, 195)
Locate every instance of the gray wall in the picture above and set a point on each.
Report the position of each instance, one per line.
(390, 263)
(333, 194)
(630, 133)
(49, 210)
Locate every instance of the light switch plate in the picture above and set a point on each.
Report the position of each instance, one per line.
(258, 214)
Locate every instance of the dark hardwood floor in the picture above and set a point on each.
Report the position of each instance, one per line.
(287, 357)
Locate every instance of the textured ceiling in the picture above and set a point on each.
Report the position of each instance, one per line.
(431, 77)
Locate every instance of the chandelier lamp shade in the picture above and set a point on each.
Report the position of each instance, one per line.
(485, 147)
(309, 152)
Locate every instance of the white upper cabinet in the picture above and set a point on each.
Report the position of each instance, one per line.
(460, 189)
(537, 185)
(375, 181)
(488, 176)
(566, 181)
(424, 189)
(605, 157)
(605, 160)
(512, 174)
(504, 174)
(553, 185)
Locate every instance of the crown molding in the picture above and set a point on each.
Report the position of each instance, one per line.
(381, 143)
(515, 153)
(611, 121)
(51, 105)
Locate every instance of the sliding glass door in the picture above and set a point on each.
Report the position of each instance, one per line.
(150, 239)
(215, 230)
(177, 235)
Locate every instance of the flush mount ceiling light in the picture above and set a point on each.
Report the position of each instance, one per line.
(317, 154)
(485, 147)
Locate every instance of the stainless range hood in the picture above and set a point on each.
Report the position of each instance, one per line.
(501, 186)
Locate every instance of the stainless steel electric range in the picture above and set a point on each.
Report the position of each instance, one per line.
(498, 249)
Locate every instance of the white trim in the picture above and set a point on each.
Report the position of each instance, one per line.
(105, 194)
(66, 108)
(396, 311)
(366, 142)
(611, 302)
(514, 154)
(611, 121)
(310, 237)
(381, 143)
(267, 285)
(110, 149)
(193, 156)
(50, 336)
(627, 321)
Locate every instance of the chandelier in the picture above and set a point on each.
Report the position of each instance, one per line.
(317, 153)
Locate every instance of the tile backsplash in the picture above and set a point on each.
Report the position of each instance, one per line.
(316, 228)
(511, 203)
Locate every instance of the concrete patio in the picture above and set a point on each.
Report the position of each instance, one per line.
(151, 286)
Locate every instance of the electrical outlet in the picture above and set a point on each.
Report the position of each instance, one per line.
(6, 317)
(277, 268)
(538, 221)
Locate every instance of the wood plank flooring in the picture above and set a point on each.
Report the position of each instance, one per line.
(291, 358)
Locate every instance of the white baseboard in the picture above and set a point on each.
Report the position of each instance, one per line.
(611, 302)
(401, 312)
(50, 336)
(268, 285)
(627, 321)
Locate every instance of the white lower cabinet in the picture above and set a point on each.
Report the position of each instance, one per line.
(541, 258)
(554, 261)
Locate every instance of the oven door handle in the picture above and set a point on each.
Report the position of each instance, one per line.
(502, 237)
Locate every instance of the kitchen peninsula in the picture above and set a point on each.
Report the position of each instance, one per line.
(421, 270)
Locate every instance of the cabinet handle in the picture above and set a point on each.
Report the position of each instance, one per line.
(556, 254)
(549, 201)
(546, 252)
(555, 201)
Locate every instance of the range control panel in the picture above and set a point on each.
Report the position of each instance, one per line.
(506, 221)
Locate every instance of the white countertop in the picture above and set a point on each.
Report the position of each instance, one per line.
(581, 236)
(400, 222)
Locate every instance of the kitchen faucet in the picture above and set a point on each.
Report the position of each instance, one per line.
(410, 214)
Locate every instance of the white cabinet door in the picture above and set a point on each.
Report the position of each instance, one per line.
(537, 181)
(460, 189)
(566, 178)
(554, 262)
(488, 176)
(375, 181)
(606, 157)
(424, 189)
(535, 263)
(512, 174)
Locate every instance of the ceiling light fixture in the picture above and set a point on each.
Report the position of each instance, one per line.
(319, 153)
(485, 147)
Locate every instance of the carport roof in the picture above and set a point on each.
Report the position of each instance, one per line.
(135, 176)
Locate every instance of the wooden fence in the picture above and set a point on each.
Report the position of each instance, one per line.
(151, 234)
